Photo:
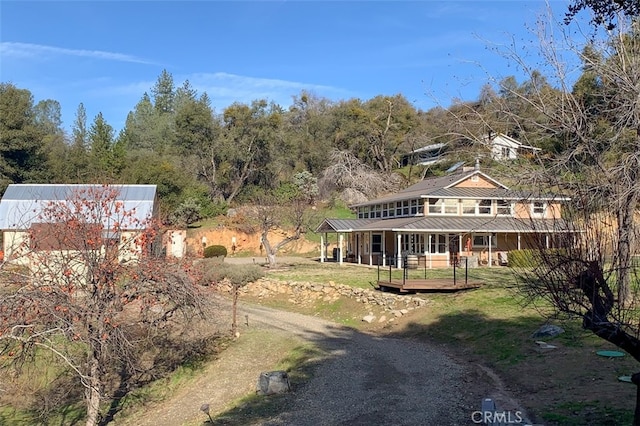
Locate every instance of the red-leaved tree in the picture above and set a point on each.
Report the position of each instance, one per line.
(85, 285)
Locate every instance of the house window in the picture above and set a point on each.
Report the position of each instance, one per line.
(506, 152)
(375, 211)
(484, 207)
(376, 243)
(399, 208)
(414, 207)
(469, 207)
(435, 206)
(405, 208)
(438, 244)
(450, 206)
(482, 240)
(412, 243)
(504, 207)
(538, 208)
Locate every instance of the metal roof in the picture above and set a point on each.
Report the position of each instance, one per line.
(431, 186)
(24, 204)
(445, 224)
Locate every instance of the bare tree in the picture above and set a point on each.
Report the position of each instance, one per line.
(90, 290)
(347, 172)
(596, 126)
(288, 216)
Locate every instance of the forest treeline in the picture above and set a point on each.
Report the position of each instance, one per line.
(198, 157)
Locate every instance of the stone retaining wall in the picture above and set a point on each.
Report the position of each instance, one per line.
(308, 292)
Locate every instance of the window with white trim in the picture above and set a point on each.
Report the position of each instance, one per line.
(504, 208)
(484, 207)
(438, 243)
(376, 243)
(469, 207)
(538, 208)
(482, 240)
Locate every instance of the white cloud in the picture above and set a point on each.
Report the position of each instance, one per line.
(224, 88)
(28, 50)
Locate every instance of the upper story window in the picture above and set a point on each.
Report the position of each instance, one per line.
(484, 207)
(538, 208)
(469, 207)
(412, 207)
(504, 208)
(443, 206)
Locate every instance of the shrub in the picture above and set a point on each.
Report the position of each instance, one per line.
(238, 275)
(215, 251)
(522, 258)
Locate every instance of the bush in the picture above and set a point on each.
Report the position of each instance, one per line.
(215, 251)
(239, 275)
(522, 258)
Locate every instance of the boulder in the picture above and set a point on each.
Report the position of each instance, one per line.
(368, 318)
(547, 330)
(273, 382)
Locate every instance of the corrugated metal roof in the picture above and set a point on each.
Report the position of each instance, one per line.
(24, 204)
(435, 185)
(445, 224)
(341, 225)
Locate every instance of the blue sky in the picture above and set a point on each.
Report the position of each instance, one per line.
(106, 54)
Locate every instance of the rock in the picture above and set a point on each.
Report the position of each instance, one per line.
(382, 319)
(273, 382)
(547, 330)
(368, 318)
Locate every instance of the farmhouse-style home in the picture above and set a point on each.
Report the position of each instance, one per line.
(31, 216)
(466, 215)
(504, 147)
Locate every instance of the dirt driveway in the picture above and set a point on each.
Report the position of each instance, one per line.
(364, 379)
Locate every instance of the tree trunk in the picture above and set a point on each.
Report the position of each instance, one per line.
(234, 320)
(625, 249)
(635, 379)
(92, 393)
(269, 250)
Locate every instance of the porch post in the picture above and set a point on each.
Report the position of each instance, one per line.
(518, 241)
(384, 249)
(321, 249)
(430, 253)
(490, 242)
(546, 241)
(340, 238)
(370, 248)
(399, 249)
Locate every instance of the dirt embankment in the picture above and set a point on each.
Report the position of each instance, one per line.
(248, 244)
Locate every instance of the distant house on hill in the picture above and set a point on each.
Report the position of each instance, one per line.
(504, 147)
(31, 216)
(437, 220)
(425, 156)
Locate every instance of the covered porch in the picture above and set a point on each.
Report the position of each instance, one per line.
(421, 242)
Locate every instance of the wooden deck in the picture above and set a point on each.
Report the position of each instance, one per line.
(427, 285)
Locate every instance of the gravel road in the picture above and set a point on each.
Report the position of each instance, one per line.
(365, 380)
(370, 380)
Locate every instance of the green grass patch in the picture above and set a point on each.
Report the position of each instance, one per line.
(351, 275)
(591, 413)
(299, 363)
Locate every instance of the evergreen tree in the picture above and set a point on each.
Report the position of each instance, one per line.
(20, 137)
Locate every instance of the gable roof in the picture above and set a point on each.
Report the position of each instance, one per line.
(23, 204)
(444, 186)
(500, 139)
